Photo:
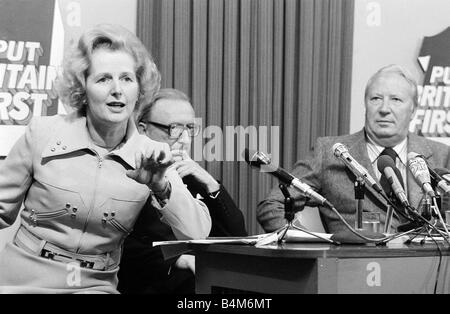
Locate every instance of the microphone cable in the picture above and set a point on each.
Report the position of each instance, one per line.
(436, 208)
(387, 238)
(426, 222)
(436, 280)
(397, 210)
(373, 240)
(435, 242)
(438, 266)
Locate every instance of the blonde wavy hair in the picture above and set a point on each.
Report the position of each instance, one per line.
(71, 84)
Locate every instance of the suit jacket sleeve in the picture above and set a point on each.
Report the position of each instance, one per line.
(270, 211)
(227, 219)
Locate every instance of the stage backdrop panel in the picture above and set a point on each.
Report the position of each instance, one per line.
(416, 35)
(34, 36)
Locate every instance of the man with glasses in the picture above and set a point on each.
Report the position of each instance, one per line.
(170, 118)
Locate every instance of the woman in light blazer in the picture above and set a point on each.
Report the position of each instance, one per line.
(84, 177)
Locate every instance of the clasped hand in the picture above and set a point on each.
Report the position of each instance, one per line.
(185, 166)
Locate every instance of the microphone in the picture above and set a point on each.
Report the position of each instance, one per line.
(438, 176)
(386, 165)
(443, 173)
(341, 152)
(419, 169)
(260, 160)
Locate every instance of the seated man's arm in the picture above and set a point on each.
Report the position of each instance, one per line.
(270, 211)
(227, 219)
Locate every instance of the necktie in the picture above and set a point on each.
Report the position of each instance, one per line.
(389, 151)
(384, 181)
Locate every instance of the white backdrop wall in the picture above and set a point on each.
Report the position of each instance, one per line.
(391, 31)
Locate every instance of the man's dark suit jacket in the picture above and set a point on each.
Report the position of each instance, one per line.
(333, 180)
(143, 268)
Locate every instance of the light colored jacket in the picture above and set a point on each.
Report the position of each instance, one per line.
(79, 200)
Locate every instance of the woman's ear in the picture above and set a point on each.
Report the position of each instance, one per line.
(142, 127)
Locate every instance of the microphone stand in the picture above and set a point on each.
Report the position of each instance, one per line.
(439, 216)
(289, 214)
(359, 197)
(388, 222)
(439, 221)
(427, 228)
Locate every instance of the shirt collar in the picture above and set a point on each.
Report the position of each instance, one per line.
(74, 136)
(375, 150)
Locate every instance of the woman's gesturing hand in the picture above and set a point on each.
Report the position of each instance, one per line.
(152, 160)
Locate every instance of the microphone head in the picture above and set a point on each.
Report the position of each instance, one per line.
(419, 167)
(441, 179)
(441, 171)
(412, 155)
(439, 174)
(256, 159)
(338, 149)
(263, 162)
(383, 162)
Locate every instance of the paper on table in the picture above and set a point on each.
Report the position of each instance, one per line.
(252, 240)
(294, 235)
(420, 239)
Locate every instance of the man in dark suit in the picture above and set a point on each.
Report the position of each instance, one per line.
(390, 102)
(170, 118)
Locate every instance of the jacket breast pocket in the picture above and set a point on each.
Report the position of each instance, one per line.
(46, 202)
(121, 214)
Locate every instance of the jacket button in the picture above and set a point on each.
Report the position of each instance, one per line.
(53, 149)
(68, 205)
(58, 143)
(74, 209)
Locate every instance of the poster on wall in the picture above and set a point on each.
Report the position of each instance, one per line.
(31, 48)
(35, 35)
(432, 118)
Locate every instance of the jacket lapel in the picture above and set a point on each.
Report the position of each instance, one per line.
(133, 141)
(74, 136)
(358, 149)
(69, 136)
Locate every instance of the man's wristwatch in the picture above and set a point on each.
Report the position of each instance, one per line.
(214, 195)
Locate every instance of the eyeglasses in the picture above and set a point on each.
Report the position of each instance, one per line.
(176, 129)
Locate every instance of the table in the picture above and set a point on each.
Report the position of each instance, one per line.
(294, 268)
